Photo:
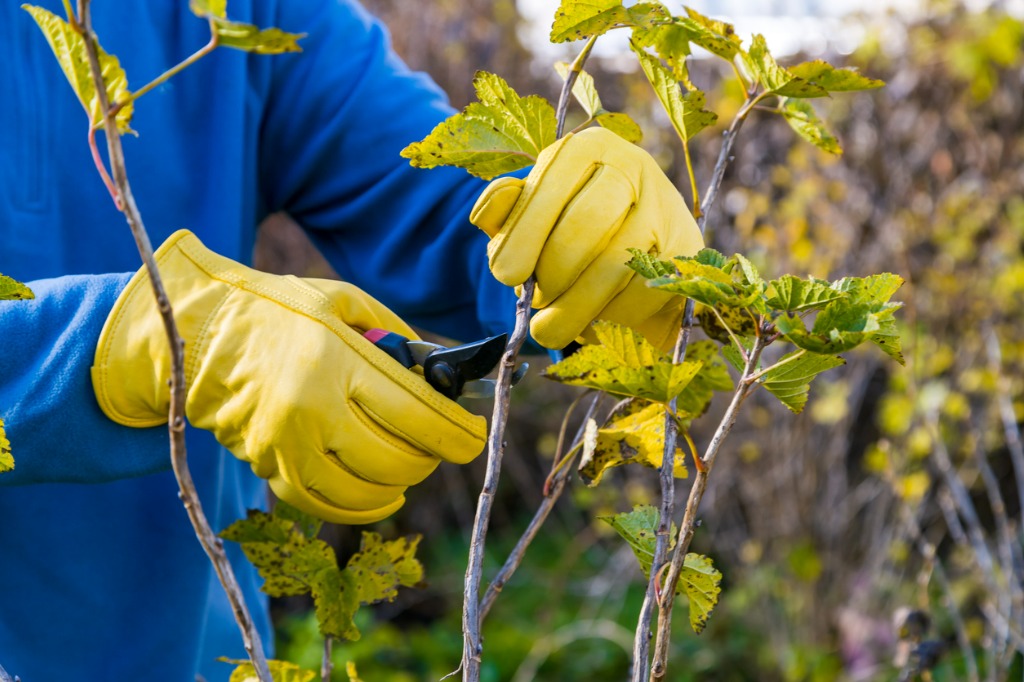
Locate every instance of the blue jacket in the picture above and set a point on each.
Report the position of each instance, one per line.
(101, 577)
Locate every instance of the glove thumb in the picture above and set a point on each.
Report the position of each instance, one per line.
(495, 204)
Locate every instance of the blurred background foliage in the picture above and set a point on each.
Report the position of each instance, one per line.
(860, 540)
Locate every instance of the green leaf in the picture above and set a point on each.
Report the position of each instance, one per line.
(624, 363)
(280, 671)
(576, 19)
(802, 118)
(672, 43)
(500, 133)
(711, 257)
(717, 37)
(789, 293)
(646, 265)
(633, 435)
(307, 524)
(622, 125)
(686, 112)
(832, 79)
(790, 380)
(872, 289)
(713, 376)
(382, 566)
(841, 326)
(709, 285)
(738, 320)
(13, 290)
(250, 38)
(638, 529)
(6, 458)
(888, 339)
(701, 582)
(209, 8)
(774, 78)
(68, 46)
(335, 602)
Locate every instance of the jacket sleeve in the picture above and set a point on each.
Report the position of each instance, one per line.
(56, 429)
(338, 114)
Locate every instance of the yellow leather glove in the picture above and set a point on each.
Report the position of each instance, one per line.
(277, 368)
(591, 196)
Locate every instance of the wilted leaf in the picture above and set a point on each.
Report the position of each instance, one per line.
(576, 19)
(790, 381)
(789, 293)
(209, 8)
(636, 435)
(701, 582)
(13, 290)
(68, 46)
(250, 38)
(832, 79)
(774, 78)
(335, 601)
(802, 118)
(382, 566)
(500, 133)
(686, 112)
(6, 458)
(624, 363)
(280, 671)
(738, 320)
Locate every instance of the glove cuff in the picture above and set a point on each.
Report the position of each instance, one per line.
(132, 366)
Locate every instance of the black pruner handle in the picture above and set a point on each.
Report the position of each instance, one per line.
(395, 345)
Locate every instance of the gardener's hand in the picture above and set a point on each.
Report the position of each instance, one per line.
(277, 369)
(590, 197)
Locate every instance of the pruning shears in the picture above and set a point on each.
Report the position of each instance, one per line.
(454, 372)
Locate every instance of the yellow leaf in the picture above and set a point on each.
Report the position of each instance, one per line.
(634, 436)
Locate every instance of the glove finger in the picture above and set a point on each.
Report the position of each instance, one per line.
(413, 412)
(313, 504)
(356, 308)
(493, 207)
(561, 172)
(587, 225)
(567, 316)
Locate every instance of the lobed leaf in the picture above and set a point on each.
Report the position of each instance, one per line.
(500, 133)
(717, 37)
(646, 265)
(832, 79)
(802, 118)
(701, 582)
(686, 112)
(576, 19)
(382, 566)
(841, 326)
(622, 125)
(335, 602)
(6, 458)
(638, 529)
(250, 38)
(707, 284)
(774, 78)
(634, 435)
(872, 289)
(624, 363)
(888, 339)
(280, 671)
(69, 47)
(740, 321)
(790, 293)
(13, 290)
(790, 381)
(672, 43)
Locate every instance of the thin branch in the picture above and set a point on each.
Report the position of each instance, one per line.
(689, 523)
(472, 647)
(176, 417)
(557, 485)
(1006, 412)
(326, 663)
(471, 620)
(174, 70)
(570, 79)
(725, 156)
